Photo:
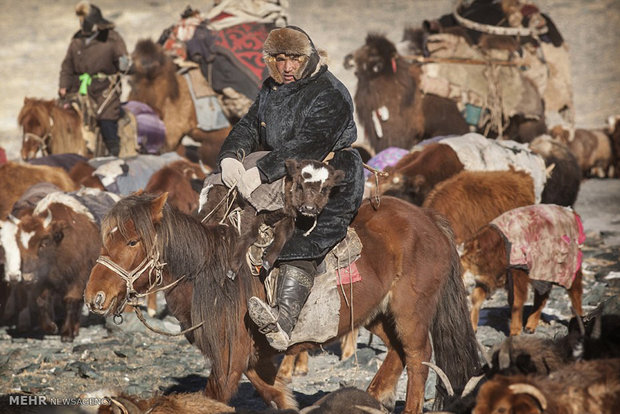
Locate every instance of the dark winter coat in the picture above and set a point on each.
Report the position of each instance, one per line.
(100, 56)
(305, 119)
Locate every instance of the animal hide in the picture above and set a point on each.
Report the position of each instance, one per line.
(485, 86)
(546, 239)
(478, 153)
(124, 176)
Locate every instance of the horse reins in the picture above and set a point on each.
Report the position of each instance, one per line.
(41, 140)
(154, 266)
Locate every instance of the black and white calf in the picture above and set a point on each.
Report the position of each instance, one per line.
(307, 186)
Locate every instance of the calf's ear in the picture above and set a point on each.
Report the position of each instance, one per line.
(157, 207)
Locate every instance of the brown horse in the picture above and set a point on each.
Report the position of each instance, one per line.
(49, 128)
(411, 287)
(155, 82)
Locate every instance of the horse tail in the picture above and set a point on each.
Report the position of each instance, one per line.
(454, 341)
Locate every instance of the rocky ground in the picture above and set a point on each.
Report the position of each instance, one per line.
(132, 359)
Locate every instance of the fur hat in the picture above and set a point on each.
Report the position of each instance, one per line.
(90, 15)
(290, 40)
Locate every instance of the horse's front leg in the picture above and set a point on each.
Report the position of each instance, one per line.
(271, 389)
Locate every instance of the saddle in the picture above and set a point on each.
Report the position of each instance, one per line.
(316, 323)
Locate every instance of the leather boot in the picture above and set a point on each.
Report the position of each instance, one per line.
(277, 323)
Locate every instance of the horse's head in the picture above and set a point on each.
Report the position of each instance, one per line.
(129, 264)
(36, 123)
(377, 57)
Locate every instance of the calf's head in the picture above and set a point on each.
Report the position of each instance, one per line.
(309, 184)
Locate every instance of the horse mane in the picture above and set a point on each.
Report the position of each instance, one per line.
(38, 109)
(201, 254)
(63, 124)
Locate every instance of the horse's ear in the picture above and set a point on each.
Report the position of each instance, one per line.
(157, 207)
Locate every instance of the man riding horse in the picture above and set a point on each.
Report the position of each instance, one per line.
(95, 54)
(303, 112)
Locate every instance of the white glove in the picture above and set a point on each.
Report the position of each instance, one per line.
(249, 182)
(232, 170)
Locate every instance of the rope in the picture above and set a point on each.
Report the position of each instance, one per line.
(462, 61)
(159, 331)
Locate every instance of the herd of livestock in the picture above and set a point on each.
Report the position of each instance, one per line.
(487, 165)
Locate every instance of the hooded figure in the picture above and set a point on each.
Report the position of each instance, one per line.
(302, 112)
(95, 52)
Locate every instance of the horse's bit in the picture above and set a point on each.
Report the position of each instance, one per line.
(41, 140)
(154, 266)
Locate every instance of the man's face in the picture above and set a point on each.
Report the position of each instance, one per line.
(288, 66)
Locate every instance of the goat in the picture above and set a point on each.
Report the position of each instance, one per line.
(581, 387)
(306, 191)
(592, 148)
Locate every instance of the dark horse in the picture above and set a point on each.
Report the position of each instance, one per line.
(411, 287)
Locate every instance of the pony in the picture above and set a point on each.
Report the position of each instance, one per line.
(50, 129)
(155, 82)
(179, 179)
(411, 285)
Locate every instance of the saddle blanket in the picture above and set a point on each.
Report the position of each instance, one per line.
(546, 239)
(320, 316)
(151, 134)
(209, 112)
(478, 153)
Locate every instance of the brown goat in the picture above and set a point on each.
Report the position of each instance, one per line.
(306, 191)
(489, 256)
(582, 387)
(471, 199)
(16, 178)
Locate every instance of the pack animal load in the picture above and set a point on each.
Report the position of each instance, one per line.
(496, 60)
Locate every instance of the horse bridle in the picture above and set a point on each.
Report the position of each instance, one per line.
(154, 266)
(41, 140)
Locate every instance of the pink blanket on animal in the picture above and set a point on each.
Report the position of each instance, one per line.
(546, 239)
